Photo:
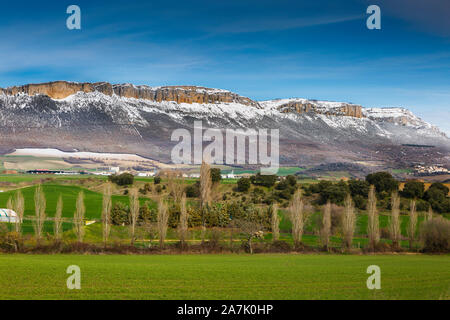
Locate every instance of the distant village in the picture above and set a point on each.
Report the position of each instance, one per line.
(421, 170)
(117, 170)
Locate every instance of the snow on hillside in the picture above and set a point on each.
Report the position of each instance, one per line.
(381, 121)
(403, 117)
(399, 115)
(190, 88)
(274, 104)
(55, 153)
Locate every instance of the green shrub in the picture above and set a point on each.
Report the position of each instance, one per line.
(285, 194)
(194, 217)
(193, 190)
(439, 186)
(438, 199)
(413, 189)
(215, 175)
(217, 216)
(435, 235)
(146, 214)
(360, 201)
(258, 191)
(243, 184)
(120, 214)
(335, 193)
(122, 179)
(358, 188)
(264, 180)
(174, 216)
(383, 181)
(147, 188)
(288, 182)
(422, 205)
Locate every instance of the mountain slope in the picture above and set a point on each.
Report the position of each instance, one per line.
(140, 119)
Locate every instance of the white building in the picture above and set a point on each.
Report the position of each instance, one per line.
(114, 169)
(101, 173)
(146, 174)
(8, 215)
(229, 175)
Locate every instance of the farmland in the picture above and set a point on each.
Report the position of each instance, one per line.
(68, 187)
(93, 202)
(211, 263)
(224, 277)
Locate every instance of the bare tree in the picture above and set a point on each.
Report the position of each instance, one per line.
(205, 193)
(297, 216)
(19, 208)
(57, 223)
(348, 222)
(275, 222)
(412, 223)
(39, 209)
(373, 227)
(183, 226)
(78, 218)
(9, 204)
(394, 222)
(429, 214)
(151, 229)
(326, 225)
(250, 229)
(106, 212)
(175, 185)
(205, 184)
(134, 212)
(162, 220)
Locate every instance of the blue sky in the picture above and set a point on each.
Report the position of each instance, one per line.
(261, 49)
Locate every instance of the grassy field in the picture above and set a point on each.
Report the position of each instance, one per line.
(93, 202)
(224, 277)
(69, 190)
(69, 193)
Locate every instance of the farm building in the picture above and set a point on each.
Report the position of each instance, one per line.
(7, 215)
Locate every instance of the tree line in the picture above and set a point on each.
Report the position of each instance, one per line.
(252, 221)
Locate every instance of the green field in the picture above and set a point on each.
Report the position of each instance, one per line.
(93, 202)
(224, 277)
(69, 193)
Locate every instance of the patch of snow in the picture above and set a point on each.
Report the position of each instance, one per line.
(55, 153)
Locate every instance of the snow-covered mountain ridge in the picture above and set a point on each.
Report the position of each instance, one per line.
(139, 119)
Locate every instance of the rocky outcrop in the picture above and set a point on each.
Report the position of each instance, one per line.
(106, 123)
(55, 90)
(350, 110)
(179, 94)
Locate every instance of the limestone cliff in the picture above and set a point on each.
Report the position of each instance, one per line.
(179, 94)
(344, 109)
(106, 119)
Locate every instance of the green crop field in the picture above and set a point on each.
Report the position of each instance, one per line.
(224, 277)
(69, 193)
(92, 200)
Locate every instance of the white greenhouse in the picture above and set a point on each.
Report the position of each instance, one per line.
(8, 215)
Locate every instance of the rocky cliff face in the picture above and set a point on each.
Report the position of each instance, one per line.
(101, 117)
(349, 110)
(179, 94)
